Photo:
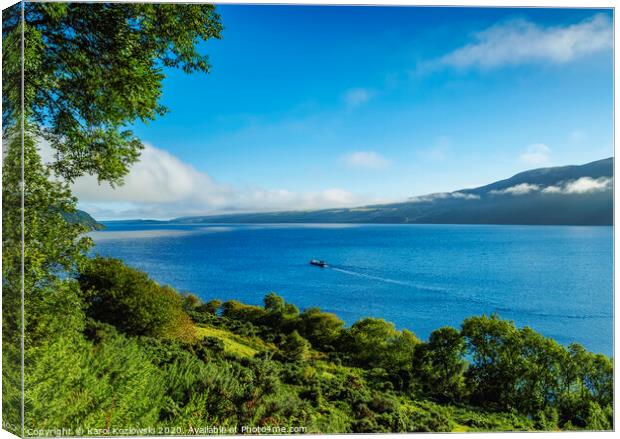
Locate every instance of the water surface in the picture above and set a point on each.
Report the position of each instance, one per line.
(556, 279)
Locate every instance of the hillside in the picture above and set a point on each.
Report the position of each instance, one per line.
(567, 195)
(84, 218)
(273, 365)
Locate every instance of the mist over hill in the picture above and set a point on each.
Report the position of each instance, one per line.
(566, 195)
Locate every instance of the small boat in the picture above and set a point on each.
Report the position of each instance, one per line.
(318, 263)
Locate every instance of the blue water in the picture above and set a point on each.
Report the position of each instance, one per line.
(555, 279)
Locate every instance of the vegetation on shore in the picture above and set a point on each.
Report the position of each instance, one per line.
(136, 353)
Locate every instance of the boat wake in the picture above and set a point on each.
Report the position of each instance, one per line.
(369, 276)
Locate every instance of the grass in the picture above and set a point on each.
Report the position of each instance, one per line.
(233, 343)
(460, 428)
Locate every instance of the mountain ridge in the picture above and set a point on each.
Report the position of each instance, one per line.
(564, 195)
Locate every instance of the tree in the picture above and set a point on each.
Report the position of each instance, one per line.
(369, 340)
(402, 352)
(540, 385)
(279, 315)
(439, 365)
(586, 382)
(90, 70)
(190, 301)
(295, 347)
(375, 343)
(274, 304)
(93, 68)
(601, 379)
(51, 247)
(495, 347)
(211, 307)
(598, 418)
(322, 329)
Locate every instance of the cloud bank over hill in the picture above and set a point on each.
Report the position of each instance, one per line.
(571, 195)
(443, 196)
(161, 185)
(581, 185)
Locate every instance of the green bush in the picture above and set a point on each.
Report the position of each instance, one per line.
(236, 310)
(322, 329)
(373, 343)
(295, 348)
(423, 416)
(129, 300)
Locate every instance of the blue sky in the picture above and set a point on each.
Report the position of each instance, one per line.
(309, 107)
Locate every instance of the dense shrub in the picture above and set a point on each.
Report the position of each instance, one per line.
(76, 383)
(211, 307)
(374, 343)
(236, 310)
(131, 301)
(322, 329)
(294, 347)
(423, 416)
(475, 419)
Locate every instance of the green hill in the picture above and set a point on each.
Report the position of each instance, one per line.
(84, 218)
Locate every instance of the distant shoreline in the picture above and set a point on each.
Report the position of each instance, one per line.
(174, 222)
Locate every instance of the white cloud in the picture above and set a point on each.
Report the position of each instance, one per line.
(443, 196)
(587, 184)
(365, 160)
(536, 154)
(162, 186)
(518, 189)
(581, 185)
(465, 196)
(429, 197)
(159, 177)
(521, 41)
(357, 96)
